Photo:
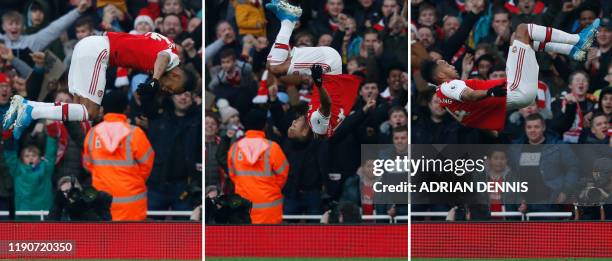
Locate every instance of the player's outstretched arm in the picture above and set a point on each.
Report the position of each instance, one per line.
(476, 95)
(317, 77)
(473, 95)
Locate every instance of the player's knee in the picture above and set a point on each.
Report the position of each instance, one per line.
(277, 70)
(522, 30)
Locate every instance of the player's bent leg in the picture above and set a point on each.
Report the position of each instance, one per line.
(27, 111)
(554, 40)
(92, 109)
(288, 15)
(522, 78)
(304, 57)
(522, 34)
(279, 69)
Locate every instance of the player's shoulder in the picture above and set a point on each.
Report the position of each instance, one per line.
(452, 84)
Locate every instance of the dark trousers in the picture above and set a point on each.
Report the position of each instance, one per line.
(168, 197)
(304, 203)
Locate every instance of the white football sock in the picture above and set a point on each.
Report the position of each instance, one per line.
(44, 104)
(63, 112)
(559, 48)
(280, 50)
(539, 33)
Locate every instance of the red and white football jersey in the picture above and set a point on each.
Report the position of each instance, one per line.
(140, 51)
(488, 113)
(342, 90)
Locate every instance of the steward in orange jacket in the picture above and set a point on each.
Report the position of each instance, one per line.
(259, 169)
(120, 158)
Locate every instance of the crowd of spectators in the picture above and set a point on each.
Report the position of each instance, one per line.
(36, 44)
(574, 101)
(372, 38)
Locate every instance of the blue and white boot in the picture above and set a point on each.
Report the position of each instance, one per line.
(11, 113)
(284, 10)
(587, 36)
(24, 118)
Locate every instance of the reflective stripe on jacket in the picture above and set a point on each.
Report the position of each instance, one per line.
(120, 158)
(259, 169)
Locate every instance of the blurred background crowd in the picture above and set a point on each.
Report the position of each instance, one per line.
(573, 105)
(372, 38)
(43, 170)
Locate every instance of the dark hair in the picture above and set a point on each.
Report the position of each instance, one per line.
(85, 21)
(498, 67)
(604, 91)
(395, 109)
(403, 128)
(220, 23)
(396, 66)
(367, 81)
(573, 74)
(599, 113)
(162, 2)
(36, 7)
(486, 57)
(498, 148)
(304, 33)
(428, 69)
(360, 60)
(115, 101)
(426, 6)
(535, 117)
(175, 15)
(371, 31)
(12, 16)
(501, 10)
(190, 81)
(227, 53)
(213, 115)
(429, 94)
(255, 120)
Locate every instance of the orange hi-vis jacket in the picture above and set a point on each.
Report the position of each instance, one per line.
(259, 169)
(120, 158)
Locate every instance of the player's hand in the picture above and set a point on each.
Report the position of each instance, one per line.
(316, 71)
(83, 5)
(497, 91)
(148, 88)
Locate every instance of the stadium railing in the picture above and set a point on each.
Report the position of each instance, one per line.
(152, 213)
(393, 220)
(523, 216)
